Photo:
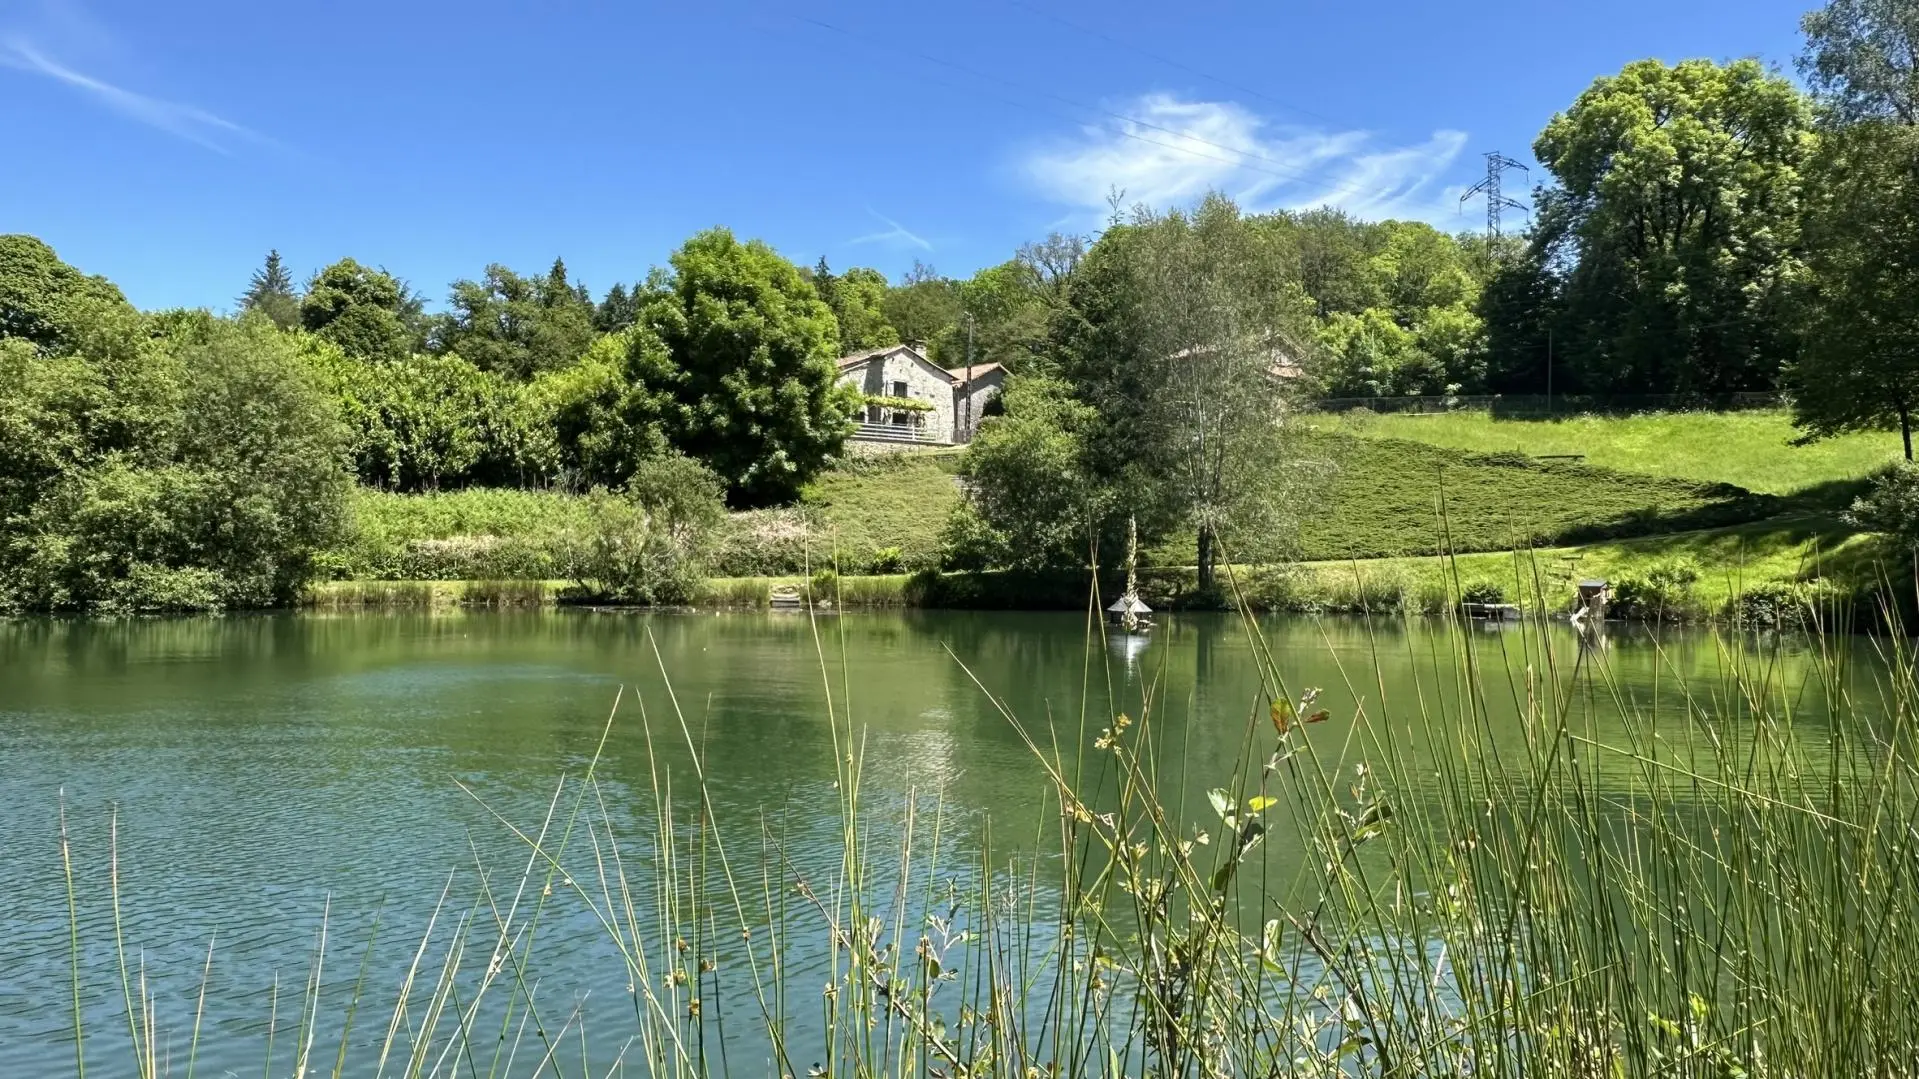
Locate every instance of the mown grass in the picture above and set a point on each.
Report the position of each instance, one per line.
(1719, 880)
(1746, 449)
(1386, 500)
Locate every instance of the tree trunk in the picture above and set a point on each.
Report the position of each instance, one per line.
(1905, 428)
(1205, 558)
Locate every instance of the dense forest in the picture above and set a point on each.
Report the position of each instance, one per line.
(1708, 228)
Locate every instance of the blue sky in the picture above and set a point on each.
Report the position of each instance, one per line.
(168, 146)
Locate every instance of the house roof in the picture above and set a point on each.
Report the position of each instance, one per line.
(956, 375)
(858, 358)
(1282, 364)
(980, 370)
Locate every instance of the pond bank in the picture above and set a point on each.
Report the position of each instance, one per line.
(1706, 577)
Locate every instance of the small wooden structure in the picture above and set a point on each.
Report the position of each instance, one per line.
(1594, 594)
(786, 599)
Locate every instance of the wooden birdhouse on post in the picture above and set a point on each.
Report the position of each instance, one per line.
(1594, 594)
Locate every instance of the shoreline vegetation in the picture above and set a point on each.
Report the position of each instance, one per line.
(1765, 577)
(1736, 898)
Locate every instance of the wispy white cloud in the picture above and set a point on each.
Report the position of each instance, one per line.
(896, 234)
(1173, 151)
(196, 125)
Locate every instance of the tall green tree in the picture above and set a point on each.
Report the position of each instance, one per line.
(1032, 475)
(45, 301)
(607, 413)
(857, 299)
(369, 313)
(617, 310)
(1183, 321)
(1858, 362)
(1673, 224)
(517, 326)
(755, 386)
(1862, 59)
(271, 293)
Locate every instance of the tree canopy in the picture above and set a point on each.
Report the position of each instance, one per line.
(369, 313)
(517, 326)
(755, 385)
(45, 301)
(189, 463)
(1669, 236)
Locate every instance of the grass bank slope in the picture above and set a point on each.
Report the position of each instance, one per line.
(1385, 500)
(1747, 449)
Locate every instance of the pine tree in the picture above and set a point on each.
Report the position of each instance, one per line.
(618, 310)
(270, 292)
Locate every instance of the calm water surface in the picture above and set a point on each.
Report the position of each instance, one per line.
(264, 767)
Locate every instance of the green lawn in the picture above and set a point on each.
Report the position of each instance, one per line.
(1383, 499)
(1748, 449)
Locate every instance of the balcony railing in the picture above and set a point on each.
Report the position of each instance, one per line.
(893, 432)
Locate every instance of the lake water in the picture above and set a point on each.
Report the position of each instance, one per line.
(265, 770)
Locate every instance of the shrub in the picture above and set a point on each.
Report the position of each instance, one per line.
(968, 542)
(651, 543)
(885, 560)
(1663, 593)
(1771, 605)
(199, 469)
(1890, 504)
(1483, 592)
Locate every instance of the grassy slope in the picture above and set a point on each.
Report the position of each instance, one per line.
(901, 501)
(1748, 449)
(1385, 500)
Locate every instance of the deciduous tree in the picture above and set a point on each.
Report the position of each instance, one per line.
(369, 313)
(754, 384)
(1858, 362)
(1675, 219)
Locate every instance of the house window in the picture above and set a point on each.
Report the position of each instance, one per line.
(899, 389)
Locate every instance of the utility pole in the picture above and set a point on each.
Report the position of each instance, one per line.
(969, 377)
(1496, 164)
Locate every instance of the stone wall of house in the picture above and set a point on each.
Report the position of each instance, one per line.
(880, 373)
(984, 389)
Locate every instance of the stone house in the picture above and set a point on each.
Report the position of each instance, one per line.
(910, 401)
